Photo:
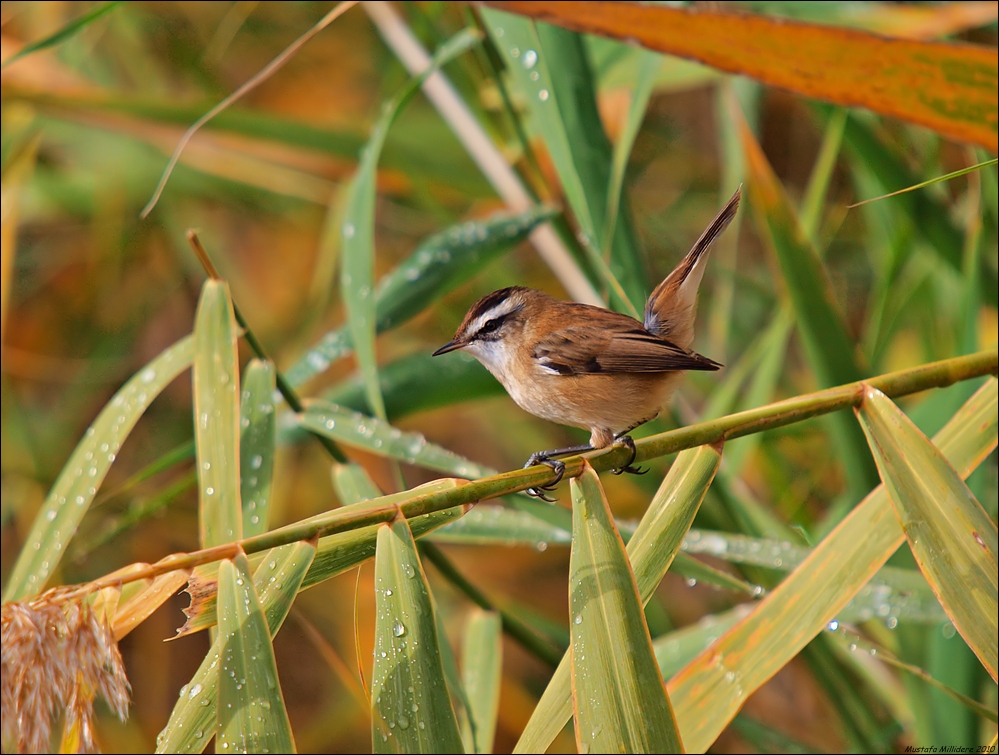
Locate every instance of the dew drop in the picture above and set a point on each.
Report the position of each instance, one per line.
(543, 95)
(530, 59)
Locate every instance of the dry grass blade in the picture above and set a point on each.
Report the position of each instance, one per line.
(141, 606)
(924, 184)
(255, 81)
(946, 87)
(952, 537)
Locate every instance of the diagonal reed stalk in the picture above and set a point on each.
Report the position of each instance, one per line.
(903, 382)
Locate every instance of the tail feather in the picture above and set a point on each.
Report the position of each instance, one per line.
(670, 309)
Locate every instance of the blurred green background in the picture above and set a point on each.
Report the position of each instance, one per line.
(95, 292)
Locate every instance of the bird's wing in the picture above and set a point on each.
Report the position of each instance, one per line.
(613, 347)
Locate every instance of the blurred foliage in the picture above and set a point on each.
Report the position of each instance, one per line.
(91, 294)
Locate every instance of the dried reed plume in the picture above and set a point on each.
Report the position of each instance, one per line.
(58, 653)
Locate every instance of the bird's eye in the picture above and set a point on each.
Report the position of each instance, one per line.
(490, 326)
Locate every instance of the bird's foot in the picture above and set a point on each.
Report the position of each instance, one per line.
(557, 466)
(627, 442)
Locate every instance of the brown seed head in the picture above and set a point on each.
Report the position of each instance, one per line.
(57, 655)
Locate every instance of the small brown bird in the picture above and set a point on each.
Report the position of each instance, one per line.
(589, 367)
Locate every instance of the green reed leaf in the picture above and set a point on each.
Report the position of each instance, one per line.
(619, 699)
(379, 437)
(798, 609)
(439, 264)
(73, 27)
(831, 351)
(257, 444)
(216, 416)
(358, 231)
(551, 68)
(276, 581)
(334, 555)
(651, 551)
(481, 674)
(954, 541)
(410, 707)
(79, 481)
(251, 711)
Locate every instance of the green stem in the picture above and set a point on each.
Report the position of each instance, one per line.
(466, 493)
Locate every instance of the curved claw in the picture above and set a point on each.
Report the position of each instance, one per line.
(555, 465)
(631, 470)
(629, 443)
(536, 493)
(559, 468)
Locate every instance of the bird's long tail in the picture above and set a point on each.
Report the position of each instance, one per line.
(670, 309)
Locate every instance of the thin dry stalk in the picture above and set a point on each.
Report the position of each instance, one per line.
(480, 148)
(265, 73)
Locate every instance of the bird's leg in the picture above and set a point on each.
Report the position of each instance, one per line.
(545, 457)
(627, 442)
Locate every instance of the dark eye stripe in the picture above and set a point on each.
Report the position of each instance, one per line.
(491, 326)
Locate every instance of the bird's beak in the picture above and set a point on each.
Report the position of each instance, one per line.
(450, 346)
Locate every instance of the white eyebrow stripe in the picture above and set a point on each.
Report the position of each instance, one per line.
(505, 307)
